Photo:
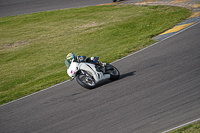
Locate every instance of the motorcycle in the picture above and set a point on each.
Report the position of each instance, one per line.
(88, 74)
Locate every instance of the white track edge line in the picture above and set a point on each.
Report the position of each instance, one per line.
(181, 125)
(35, 93)
(110, 63)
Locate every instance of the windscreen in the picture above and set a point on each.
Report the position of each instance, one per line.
(67, 63)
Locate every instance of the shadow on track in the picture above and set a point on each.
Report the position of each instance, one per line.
(127, 75)
(105, 82)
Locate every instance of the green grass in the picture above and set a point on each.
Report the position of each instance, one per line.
(33, 47)
(191, 128)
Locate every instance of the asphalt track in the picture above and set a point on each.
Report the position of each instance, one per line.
(16, 7)
(159, 89)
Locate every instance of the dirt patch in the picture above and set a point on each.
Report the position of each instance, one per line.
(188, 6)
(7, 46)
(93, 24)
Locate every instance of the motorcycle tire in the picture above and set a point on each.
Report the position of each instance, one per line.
(86, 80)
(114, 0)
(113, 71)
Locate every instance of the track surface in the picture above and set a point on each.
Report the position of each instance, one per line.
(159, 89)
(16, 7)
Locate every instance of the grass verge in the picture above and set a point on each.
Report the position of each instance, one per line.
(33, 46)
(191, 128)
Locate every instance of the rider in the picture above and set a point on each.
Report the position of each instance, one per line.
(99, 65)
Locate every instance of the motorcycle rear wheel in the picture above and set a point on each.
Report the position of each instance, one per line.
(114, 73)
(86, 80)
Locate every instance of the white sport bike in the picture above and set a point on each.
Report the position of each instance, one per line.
(88, 74)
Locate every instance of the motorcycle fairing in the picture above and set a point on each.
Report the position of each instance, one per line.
(75, 67)
(72, 69)
(91, 68)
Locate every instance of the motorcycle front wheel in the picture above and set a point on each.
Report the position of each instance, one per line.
(85, 80)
